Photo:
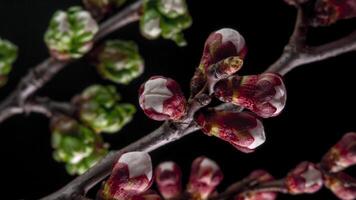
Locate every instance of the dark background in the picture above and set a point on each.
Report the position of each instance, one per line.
(320, 108)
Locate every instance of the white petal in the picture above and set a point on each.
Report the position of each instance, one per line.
(233, 36)
(139, 163)
(155, 93)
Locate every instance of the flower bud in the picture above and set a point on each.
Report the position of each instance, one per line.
(296, 2)
(330, 11)
(220, 45)
(305, 178)
(259, 176)
(70, 34)
(98, 108)
(204, 177)
(342, 155)
(161, 99)
(131, 176)
(264, 94)
(167, 18)
(99, 8)
(77, 146)
(146, 197)
(8, 55)
(243, 130)
(342, 185)
(168, 179)
(119, 61)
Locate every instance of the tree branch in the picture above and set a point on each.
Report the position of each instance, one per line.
(45, 71)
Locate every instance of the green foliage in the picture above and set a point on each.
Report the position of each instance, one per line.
(166, 18)
(70, 33)
(8, 55)
(120, 61)
(76, 145)
(99, 109)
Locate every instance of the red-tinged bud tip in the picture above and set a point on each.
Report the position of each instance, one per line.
(131, 176)
(168, 180)
(342, 155)
(243, 130)
(204, 177)
(259, 176)
(305, 178)
(162, 99)
(330, 11)
(263, 94)
(342, 185)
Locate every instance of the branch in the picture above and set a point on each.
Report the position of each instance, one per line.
(297, 53)
(45, 71)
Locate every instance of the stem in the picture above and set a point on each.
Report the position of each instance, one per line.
(45, 71)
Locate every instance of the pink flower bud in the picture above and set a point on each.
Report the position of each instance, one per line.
(342, 185)
(204, 177)
(330, 11)
(131, 176)
(243, 130)
(342, 155)
(305, 178)
(168, 179)
(220, 45)
(264, 94)
(161, 99)
(259, 176)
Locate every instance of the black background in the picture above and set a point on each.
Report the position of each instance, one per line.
(320, 107)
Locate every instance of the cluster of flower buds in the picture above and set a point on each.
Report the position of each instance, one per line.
(342, 185)
(263, 94)
(305, 178)
(99, 109)
(162, 99)
(166, 18)
(76, 145)
(8, 55)
(204, 178)
(131, 177)
(327, 12)
(258, 176)
(243, 130)
(70, 33)
(119, 61)
(342, 155)
(99, 8)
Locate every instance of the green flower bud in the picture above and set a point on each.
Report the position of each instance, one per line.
(99, 109)
(8, 55)
(70, 33)
(120, 61)
(168, 18)
(76, 145)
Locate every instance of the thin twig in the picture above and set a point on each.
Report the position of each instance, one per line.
(45, 71)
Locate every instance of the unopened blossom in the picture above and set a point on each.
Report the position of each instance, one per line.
(161, 99)
(132, 175)
(220, 45)
(70, 33)
(99, 109)
(327, 12)
(264, 94)
(305, 178)
(119, 61)
(168, 179)
(205, 175)
(259, 176)
(243, 130)
(166, 18)
(99, 8)
(8, 55)
(342, 155)
(342, 185)
(75, 145)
